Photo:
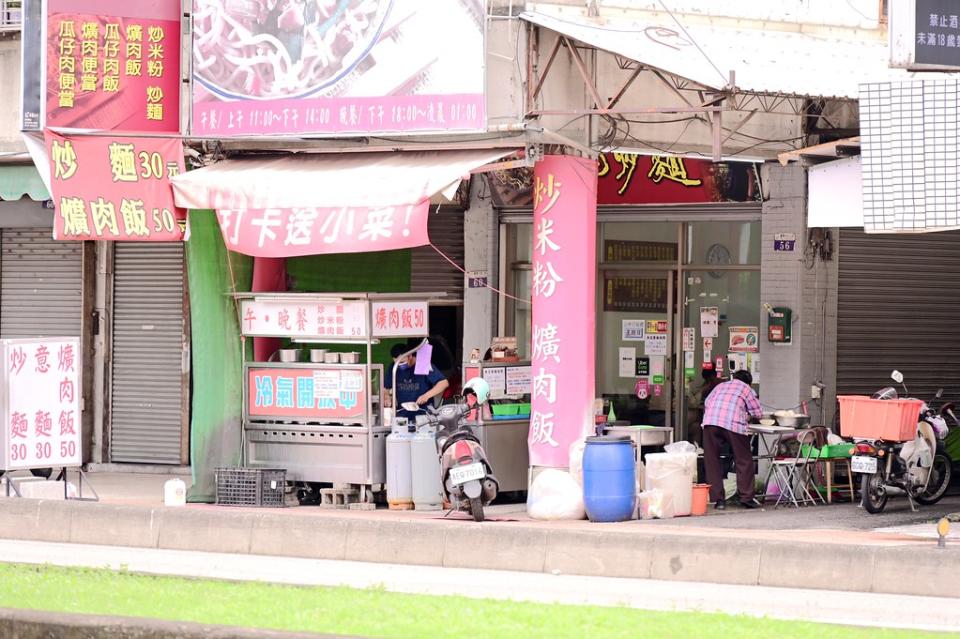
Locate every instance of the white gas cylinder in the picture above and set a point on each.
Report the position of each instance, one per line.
(399, 476)
(427, 485)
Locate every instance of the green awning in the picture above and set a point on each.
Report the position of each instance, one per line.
(17, 180)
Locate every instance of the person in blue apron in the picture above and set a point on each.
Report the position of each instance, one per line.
(413, 388)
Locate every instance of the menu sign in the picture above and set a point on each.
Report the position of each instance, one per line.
(401, 319)
(41, 414)
(300, 318)
(634, 294)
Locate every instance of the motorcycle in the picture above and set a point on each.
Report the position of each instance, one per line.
(466, 476)
(920, 467)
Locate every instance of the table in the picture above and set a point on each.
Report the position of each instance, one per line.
(756, 430)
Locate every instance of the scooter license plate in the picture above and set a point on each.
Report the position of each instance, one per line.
(863, 464)
(463, 474)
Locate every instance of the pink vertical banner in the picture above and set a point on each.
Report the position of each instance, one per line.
(563, 291)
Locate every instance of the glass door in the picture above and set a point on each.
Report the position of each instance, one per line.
(635, 340)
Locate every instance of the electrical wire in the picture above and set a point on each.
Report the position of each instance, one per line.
(462, 270)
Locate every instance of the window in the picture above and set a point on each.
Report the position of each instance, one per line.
(11, 15)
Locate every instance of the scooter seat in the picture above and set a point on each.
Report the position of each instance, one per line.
(459, 436)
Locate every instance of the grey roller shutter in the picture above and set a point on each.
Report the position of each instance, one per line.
(430, 272)
(147, 381)
(898, 308)
(40, 284)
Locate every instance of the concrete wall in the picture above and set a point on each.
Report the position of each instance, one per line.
(10, 140)
(806, 285)
(480, 248)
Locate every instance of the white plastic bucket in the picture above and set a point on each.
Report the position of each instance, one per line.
(174, 492)
(673, 474)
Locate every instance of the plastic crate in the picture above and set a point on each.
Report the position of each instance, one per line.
(836, 451)
(261, 487)
(888, 419)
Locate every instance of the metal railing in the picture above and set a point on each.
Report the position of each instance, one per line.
(11, 15)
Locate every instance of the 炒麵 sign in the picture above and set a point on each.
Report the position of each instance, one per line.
(115, 188)
(41, 414)
(113, 65)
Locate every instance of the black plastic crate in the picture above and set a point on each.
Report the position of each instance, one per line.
(262, 487)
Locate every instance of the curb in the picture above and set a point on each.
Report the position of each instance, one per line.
(40, 624)
(495, 546)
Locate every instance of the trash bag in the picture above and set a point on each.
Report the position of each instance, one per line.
(680, 447)
(655, 504)
(555, 494)
(576, 459)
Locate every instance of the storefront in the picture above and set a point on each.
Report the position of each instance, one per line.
(668, 253)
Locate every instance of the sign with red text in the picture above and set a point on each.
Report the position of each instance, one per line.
(282, 232)
(113, 65)
(563, 292)
(316, 393)
(401, 319)
(41, 414)
(115, 189)
(303, 318)
(345, 67)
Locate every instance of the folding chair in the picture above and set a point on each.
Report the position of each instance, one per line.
(794, 475)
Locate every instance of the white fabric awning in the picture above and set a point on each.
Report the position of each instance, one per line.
(788, 62)
(835, 194)
(328, 180)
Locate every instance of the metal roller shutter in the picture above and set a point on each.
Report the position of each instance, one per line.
(430, 272)
(40, 284)
(147, 380)
(898, 305)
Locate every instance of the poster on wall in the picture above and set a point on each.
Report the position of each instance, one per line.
(709, 321)
(627, 361)
(744, 339)
(353, 66)
(655, 344)
(113, 65)
(115, 189)
(689, 340)
(41, 414)
(633, 330)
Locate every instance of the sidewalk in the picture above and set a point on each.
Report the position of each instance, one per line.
(825, 547)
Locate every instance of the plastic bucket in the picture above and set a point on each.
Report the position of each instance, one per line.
(609, 478)
(699, 499)
(673, 473)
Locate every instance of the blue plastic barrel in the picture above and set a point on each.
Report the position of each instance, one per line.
(609, 478)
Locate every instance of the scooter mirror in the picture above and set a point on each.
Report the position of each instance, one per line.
(897, 376)
(939, 393)
(410, 407)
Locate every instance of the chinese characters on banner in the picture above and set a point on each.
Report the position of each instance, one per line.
(42, 416)
(116, 70)
(115, 189)
(316, 230)
(401, 319)
(337, 67)
(336, 394)
(269, 318)
(629, 178)
(563, 292)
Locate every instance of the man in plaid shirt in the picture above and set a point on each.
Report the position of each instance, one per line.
(726, 412)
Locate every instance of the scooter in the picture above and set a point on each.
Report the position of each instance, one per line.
(920, 467)
(467, 477)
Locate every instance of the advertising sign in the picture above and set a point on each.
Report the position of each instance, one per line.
(275, 318)
(345, 67)
(401, 319)
(563, 310)
(925, 34)
(115, 189)
(309, 394)
(113, 65)
(41, 414)
(31, 83)
(744, 339)
(282, 232)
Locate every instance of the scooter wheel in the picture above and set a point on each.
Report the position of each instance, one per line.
(939, 481)
(873, 493)
(476, 508)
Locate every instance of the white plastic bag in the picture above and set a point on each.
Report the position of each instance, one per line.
(576, 460)
(680, 447)
(555, 494)
(655, 504)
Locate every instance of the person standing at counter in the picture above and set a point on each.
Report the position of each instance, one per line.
(726, 412)
(413, 388)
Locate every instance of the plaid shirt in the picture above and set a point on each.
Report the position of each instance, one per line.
(730, 405)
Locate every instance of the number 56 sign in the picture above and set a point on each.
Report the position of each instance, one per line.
(40, 393)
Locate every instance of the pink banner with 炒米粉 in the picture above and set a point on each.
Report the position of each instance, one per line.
(289, 67)
(287, 232)
(563, 313)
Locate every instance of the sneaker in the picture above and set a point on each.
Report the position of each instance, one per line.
(721, 505)
(753, 503)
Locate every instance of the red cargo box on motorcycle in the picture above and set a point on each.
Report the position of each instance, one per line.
(893, 420)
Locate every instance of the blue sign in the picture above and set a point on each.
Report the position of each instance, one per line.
(784, 245)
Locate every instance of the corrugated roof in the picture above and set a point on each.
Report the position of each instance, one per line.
(764, 61)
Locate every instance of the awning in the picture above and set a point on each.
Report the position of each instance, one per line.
(764, 61)
(307, 204)
(19, 180)
(835, 194)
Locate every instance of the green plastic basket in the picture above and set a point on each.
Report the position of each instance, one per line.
(836, 450)
(503, 410)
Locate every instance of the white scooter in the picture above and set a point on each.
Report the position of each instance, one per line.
(920, 467)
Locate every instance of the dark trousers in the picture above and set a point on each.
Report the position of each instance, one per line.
(713, 438)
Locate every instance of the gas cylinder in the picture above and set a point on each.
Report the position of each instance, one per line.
(399, 479)
(427, 487)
